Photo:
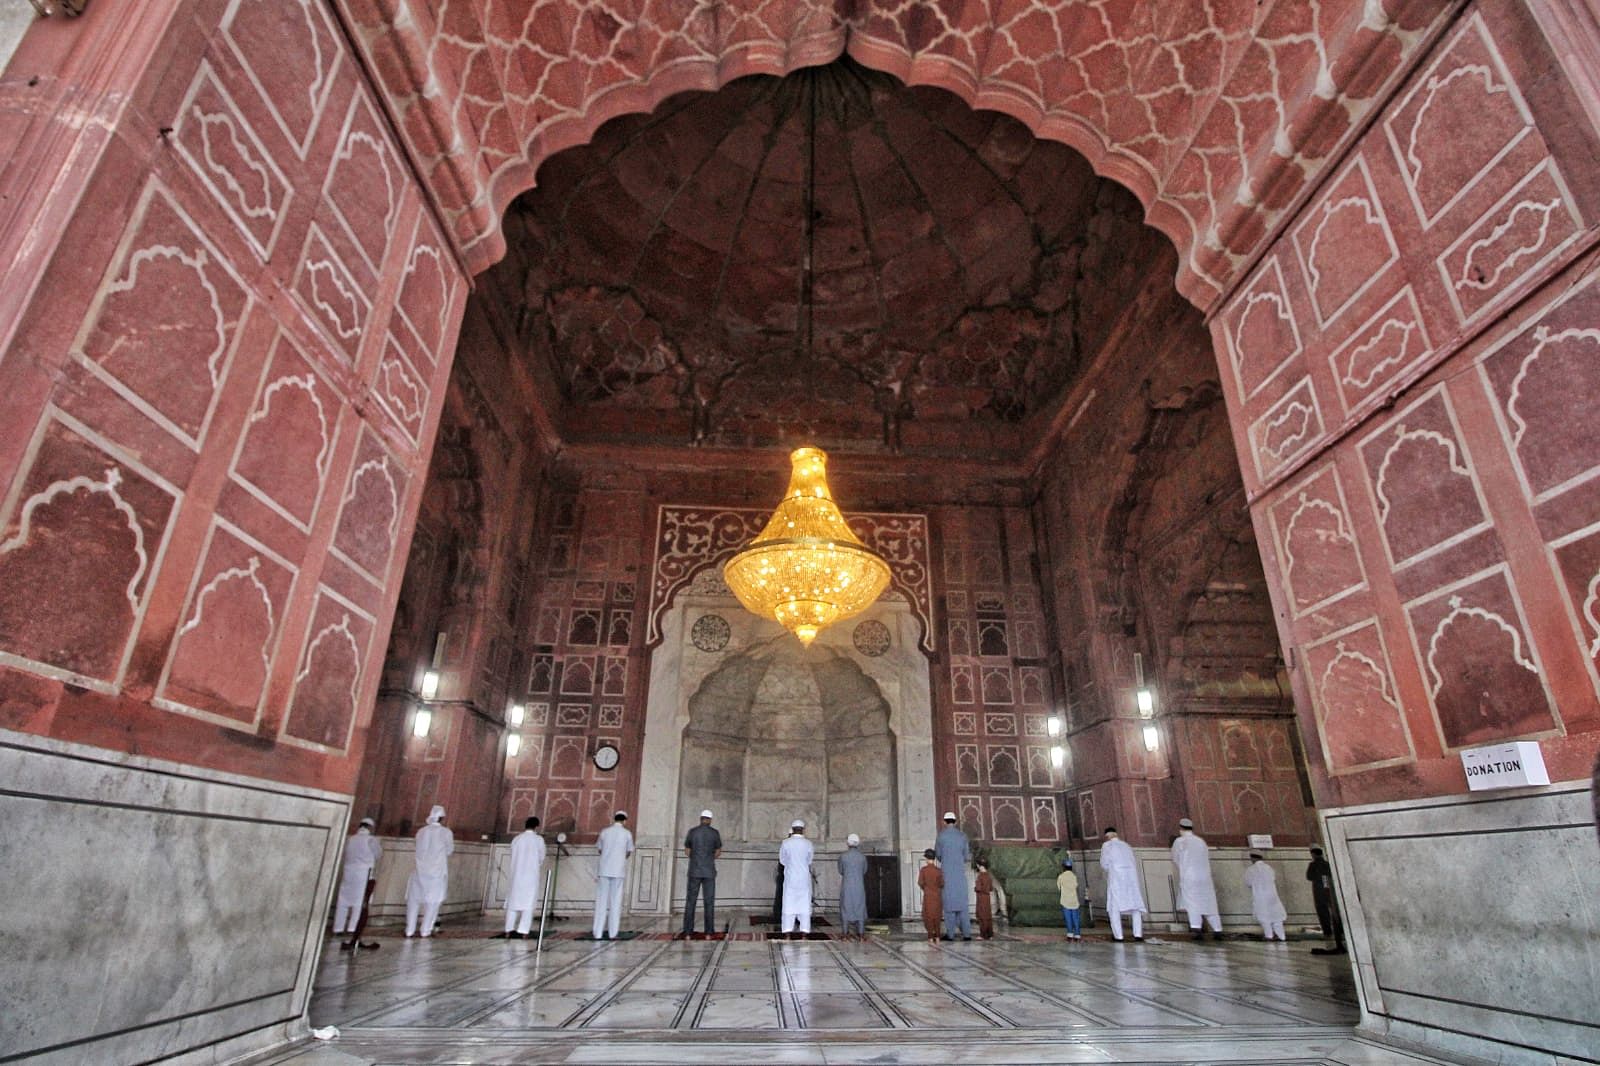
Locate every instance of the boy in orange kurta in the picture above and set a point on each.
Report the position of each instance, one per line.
(985, 890)
(930, 879)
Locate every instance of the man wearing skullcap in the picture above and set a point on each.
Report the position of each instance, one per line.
(1191, 859)
(703, 846)
(853, 888)
(1123, 891)
(954, 854)
(616, 845)
(795, 856)
(430, 880)
(361, 853)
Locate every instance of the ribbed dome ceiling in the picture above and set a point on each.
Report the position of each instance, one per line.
(963, 269)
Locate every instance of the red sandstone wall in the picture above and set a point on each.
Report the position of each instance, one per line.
(992, 685)
(1412, 377)
(228, 316)
(1150, 551)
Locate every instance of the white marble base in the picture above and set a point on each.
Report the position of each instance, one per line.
(153, 910)
(1473, 921)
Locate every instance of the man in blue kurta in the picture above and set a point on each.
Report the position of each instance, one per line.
(954, 854)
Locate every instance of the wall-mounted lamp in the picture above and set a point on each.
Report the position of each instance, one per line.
(516, 714)
(1152, 738)
(430, 685)
(1144, 697)
(513, 745)
(67, 8)
(1058, 756)
(1052, 726)
(422, 723)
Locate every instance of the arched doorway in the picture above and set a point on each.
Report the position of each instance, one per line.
(231, 405)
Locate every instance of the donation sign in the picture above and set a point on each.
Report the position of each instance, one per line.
(1504, 766)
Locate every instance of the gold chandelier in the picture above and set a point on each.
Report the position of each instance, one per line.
(806, 570)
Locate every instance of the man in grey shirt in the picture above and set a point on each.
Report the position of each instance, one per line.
(703, 845)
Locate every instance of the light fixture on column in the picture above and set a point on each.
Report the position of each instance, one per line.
(430, 684)
(1152, 738)
(1058, 756)
(1143, 696)
(806, 569)
(422, 722)
(1052, 725)
(516, 714)
(513, 745)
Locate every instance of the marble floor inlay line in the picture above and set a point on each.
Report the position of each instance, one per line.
(890, 999)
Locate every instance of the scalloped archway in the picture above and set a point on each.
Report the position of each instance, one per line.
(1216, 115)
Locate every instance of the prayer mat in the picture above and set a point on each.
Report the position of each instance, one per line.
(626, 934)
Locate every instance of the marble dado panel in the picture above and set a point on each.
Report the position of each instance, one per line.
(172, 908)
(1475, 916)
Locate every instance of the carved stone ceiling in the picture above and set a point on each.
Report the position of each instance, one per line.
(964, 271)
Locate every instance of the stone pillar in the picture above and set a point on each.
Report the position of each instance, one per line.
(1411, 371)
(227, 317)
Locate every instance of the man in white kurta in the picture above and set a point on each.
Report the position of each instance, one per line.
(524, 880)
(1123, 892)
(430, 880)
(361, 853)
(795, 857)
(1262, 881)
(616, 845)
(1191, 860)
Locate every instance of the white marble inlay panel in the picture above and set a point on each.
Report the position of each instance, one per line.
(1475, 916)
(175, 907)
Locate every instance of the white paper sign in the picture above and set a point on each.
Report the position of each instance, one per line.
(1504, 766)
(1260, 840)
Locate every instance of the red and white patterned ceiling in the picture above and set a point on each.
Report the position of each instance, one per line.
(1215, 113)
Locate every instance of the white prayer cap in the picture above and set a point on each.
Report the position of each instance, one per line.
(619, 814)
(435, 815)
(853, 841)
(369, 823)
(1184, 823)
(705, 814)
(949, 816)
(797, 824)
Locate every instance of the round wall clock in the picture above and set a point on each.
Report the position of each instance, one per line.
(605, 757)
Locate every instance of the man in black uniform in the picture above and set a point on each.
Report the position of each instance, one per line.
(1320, 874)
(703, 845)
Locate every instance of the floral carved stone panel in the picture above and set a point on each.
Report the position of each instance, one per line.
(710, 633)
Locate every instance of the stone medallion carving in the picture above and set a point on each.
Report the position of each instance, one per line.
(711, 632)
(871, 637)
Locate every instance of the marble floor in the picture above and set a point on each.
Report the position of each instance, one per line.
(891, 999)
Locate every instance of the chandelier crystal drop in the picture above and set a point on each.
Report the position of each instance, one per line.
(806, 570)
